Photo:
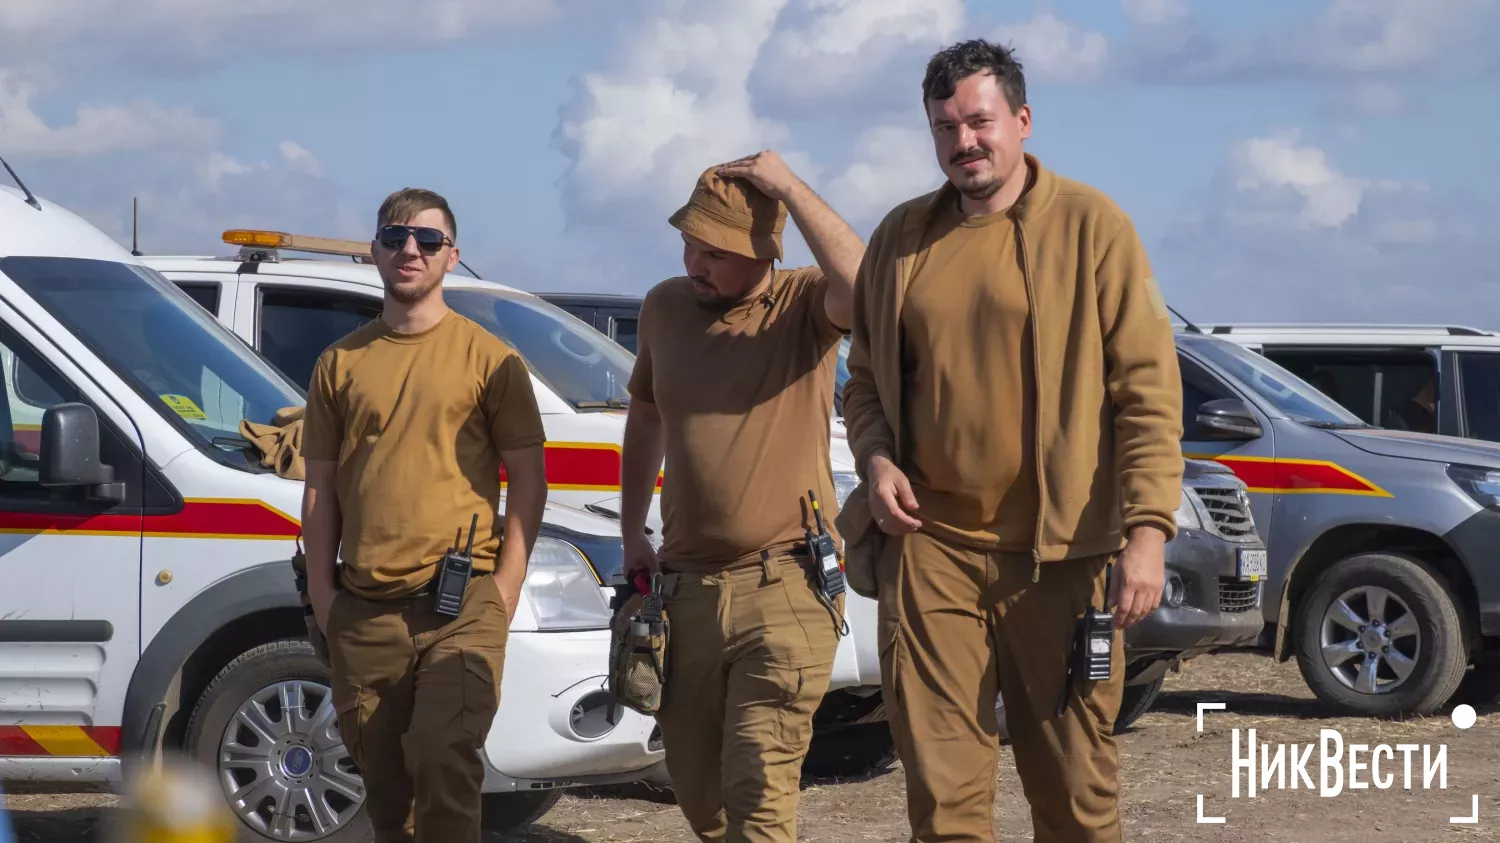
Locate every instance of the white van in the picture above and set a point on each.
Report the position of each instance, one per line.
(290, 308)
(149, 601)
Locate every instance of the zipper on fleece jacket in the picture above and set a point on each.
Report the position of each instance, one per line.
(1036, 375)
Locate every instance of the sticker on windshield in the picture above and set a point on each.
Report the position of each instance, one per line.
(184, 406)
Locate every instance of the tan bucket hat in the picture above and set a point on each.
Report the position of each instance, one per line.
(733, 215)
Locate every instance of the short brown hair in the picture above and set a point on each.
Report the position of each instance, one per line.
(406, 203)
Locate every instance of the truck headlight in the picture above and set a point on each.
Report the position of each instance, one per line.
(561, 588)
(844, 483)
(1187, 510)
(1481, 484)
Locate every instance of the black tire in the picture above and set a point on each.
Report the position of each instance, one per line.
(508, 812)
(267, 665)
(850, 752)
(1438, 656)
(1480, 687)
(1135, 701)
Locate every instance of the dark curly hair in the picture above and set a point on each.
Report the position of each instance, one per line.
(966, 58)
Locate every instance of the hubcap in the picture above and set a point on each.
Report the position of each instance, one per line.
(283, 766)
(1370, 640)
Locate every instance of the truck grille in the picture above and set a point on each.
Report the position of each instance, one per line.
(1236, 596)
(1230, 515)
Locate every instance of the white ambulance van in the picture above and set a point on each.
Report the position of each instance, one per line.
(290, 296)
(148, 600)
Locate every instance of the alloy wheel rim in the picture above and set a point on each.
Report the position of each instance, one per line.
(1370, 640)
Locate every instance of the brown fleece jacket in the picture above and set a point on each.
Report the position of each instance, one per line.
(1108, 390)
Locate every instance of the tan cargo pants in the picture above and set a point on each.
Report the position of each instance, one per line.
(415, 693)
(750, 657)
(957, 624)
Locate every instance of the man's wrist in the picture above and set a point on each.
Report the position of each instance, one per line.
(1148, 532)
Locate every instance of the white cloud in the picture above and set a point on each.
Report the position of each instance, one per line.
(1054, 50)
(1285, 234)
(95, 130)
(834, 45)
(1388, 35)
(678, 102)
(1329, 197)
(891, 164)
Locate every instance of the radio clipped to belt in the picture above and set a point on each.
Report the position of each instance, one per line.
(639, 633)
(1093, 645)
(453, 574)
(826, 560)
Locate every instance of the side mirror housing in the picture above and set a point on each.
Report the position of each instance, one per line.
(70, 453)
(1228, 418)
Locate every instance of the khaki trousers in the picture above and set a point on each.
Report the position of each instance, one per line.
(415, 693)
(750, 657)
(957, 624)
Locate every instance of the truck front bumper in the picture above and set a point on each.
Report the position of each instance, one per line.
(1214, 606)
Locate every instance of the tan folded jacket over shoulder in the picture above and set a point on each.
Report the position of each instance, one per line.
(279, 443)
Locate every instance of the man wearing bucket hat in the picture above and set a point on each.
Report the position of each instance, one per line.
(733, 384)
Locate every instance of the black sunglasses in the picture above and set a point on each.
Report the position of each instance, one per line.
(429, 240)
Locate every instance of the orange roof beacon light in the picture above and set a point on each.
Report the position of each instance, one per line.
(262, 245)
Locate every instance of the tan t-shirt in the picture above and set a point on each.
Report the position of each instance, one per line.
(746, 398)
(416, 423)
(969, 393)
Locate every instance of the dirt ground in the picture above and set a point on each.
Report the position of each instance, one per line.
(1165, 762)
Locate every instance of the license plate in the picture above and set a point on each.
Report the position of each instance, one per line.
(1252, 565)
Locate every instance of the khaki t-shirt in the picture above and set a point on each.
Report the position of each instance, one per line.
(969, 390)
(416, 423)
(746, 398)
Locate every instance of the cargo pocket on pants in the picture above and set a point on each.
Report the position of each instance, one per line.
(480, 688)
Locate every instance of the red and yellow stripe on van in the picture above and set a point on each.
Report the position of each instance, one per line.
(583, 467)
(200, 518)
(64, 741)
(1282, 476)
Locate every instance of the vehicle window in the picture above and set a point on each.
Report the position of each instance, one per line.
(1479, 384)
(583, 366)
(625, 329)
(191, 369)
(296, 326)
(205, 294)
(1278, 387)
(1396, 390)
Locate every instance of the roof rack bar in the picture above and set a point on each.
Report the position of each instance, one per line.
(30, 197)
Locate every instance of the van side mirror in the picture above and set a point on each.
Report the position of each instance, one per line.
(1228, 418)
(70, 453)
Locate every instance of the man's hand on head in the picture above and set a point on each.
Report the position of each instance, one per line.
(766, 171)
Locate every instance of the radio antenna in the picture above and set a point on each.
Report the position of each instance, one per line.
(473, 526)
(135, 226)
(30, 197)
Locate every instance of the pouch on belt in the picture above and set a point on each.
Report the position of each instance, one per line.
(314, 634)
(639, 632)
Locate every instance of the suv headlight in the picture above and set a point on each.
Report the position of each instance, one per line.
(561, 588)
(844, 483)
(1187, 510)
(1481, 484)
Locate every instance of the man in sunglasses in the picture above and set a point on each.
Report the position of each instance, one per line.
(409, 420)
(734, 382)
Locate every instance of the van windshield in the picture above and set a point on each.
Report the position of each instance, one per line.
(583, 366)
(199, 376)
(1291, 395)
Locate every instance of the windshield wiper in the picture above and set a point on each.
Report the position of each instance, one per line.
(610, 404)
(232, 443)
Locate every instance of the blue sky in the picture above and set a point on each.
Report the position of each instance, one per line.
(1320, 160)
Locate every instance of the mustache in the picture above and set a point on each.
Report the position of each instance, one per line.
(973, 153)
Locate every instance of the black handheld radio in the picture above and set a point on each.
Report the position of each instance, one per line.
(820, 546)
(453, 573)
(1093, 645)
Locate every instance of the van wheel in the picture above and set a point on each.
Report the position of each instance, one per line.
(266, 728)
(1136, 700)
(1379, 635)
(508, 812)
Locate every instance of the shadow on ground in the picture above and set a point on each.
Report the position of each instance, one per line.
(83, 825)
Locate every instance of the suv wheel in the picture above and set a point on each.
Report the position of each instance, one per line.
(1378, 634)
(508, 812)
(267, 729)
(850, 752)
(1481, 686)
